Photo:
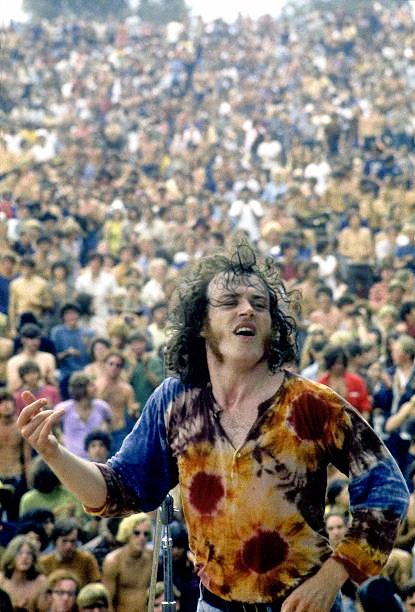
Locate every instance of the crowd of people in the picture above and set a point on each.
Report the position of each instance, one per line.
(127, 153)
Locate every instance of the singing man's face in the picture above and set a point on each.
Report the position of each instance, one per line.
(238, 323)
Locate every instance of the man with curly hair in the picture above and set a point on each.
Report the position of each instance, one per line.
(249, 443)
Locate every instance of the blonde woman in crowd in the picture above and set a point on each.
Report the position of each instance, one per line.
(21, 576)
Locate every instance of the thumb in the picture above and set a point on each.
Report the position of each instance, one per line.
(28, 397)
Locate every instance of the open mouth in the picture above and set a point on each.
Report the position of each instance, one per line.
(245, 330)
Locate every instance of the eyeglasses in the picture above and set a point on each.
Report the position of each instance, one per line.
(61, 593)
(138, 532)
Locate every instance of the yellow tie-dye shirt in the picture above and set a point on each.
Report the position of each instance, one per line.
(255, 514)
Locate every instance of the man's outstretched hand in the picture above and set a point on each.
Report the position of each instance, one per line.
(36, 425)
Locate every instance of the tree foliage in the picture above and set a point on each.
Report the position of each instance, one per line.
(81, 9)
(348, 6)
(162, 11)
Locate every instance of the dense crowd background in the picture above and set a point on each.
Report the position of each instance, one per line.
(128, 151)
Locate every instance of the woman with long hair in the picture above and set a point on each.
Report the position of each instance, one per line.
(20, 575)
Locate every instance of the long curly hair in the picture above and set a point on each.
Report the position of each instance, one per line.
(185, 349)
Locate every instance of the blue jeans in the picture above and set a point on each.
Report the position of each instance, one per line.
(202, 606)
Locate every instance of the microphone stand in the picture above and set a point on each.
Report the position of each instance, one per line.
(166, 515)
(162, 533)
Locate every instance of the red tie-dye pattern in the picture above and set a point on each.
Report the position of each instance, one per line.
(205, 493)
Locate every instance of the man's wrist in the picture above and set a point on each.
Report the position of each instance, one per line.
(334, 571)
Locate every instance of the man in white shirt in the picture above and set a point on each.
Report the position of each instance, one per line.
(246, 213)
(97, 282)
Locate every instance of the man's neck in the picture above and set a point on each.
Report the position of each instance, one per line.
(233, 387)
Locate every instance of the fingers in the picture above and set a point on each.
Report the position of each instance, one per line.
(38, 430)
(31, 409)
(37, 421)
(46, 430)
(28, 397)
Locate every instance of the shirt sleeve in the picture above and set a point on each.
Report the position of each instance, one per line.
(378, 497)
(143, 471)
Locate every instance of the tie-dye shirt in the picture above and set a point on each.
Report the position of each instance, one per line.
(255, 514)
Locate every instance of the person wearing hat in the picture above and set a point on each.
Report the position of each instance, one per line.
(93, 596)
(30, 335)
(28, 292)
(72, 344)
(46, 343)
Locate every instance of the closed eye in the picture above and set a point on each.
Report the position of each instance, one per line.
(228, 303)
(259, 304)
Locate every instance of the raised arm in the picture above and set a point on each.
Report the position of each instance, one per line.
(80, 477)
(396, 420)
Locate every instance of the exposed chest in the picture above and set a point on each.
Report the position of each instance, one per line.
(134, 573)
(237, 425)
(10, 440)
(115, 394)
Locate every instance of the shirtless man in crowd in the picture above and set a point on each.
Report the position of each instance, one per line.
(15, 453)
(127, 570)
(120, 396)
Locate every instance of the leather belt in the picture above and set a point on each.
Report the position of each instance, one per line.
(237, 606)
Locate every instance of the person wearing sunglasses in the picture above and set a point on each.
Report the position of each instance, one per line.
(126, 571)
